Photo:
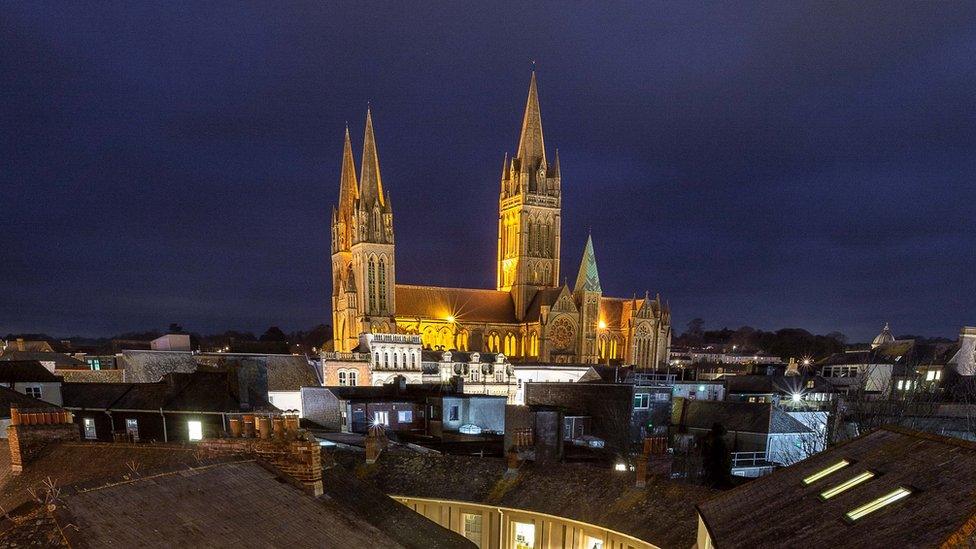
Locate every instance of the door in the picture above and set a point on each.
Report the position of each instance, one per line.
(89, 424)
(132, 429)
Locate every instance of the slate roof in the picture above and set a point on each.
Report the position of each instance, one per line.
(290, 373)
(29, 345)
(941, 508)
(9, 396)
(746, 417)
(92, 376)
(59, 359)
(20, 371)
(544, 297)
(465, 304)
(196, 392)
(151, 366)
(662, 513)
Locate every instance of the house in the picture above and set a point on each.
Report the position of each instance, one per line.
(432, 410)
(713, 389)
(13, 399)
(759, 436)
(171, 342)
(892, 487)
(807, 390)
(57, 492)
(287, 374)
(180, 407)
(30, 378)
(482, 373)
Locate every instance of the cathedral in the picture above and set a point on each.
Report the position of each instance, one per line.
(529, 316)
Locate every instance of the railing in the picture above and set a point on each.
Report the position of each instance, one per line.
(397, 338)
(750, 459)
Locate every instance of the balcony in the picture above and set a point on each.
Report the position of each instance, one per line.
(349, 357)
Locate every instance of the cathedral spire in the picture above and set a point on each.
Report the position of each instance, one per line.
(348, 188)
(588, 278)
(555, 168)
(532, 148)
(371, 185)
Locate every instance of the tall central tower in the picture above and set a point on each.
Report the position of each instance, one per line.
(528, 213)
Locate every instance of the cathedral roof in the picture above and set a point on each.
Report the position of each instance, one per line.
(544, 297)
(532, 147)
(588, 278)
(464, 304)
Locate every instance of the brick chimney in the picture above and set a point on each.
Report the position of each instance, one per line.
(33, 429)
(376, 442)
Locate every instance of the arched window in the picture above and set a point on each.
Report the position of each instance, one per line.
(352, 378)
(376, 359)
(613, 347)
(382, 290)
(604, 347)
(534, 344)
(396, 360)
(386, 359)
(342, 377)
(511, 345)
(371, 285)
(412, 361)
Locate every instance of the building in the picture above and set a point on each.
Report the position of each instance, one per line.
(30, 378)
(13, 399)
(529, 314)
(377, 359)
(228, 492)
(49, 359)
(892, 487)
(790, 391)
(180, 407)
(759, 436)
(171, 342)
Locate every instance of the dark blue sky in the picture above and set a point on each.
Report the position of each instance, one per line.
(771, 164)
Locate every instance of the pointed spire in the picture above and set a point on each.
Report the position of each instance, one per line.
(370, 183)
(588, 278)
(505, 167)
(555, 168)
(348, 188)
(532, 148)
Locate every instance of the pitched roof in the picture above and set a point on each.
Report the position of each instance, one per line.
(464, 304)
(59, 359)
(584, 493)
(151, 366)
(9, 396)
(29, 345)
(532, 146)
(290, 373)
(544, 297)
(20, 371)
(747, 417)
(370, 182)
(938, 470)
(92, 376)
(588, 278)
(775, 384)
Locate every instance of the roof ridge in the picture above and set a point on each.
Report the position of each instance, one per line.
(428, 287)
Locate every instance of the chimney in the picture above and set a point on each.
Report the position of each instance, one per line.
(376, 442)
(33, 429)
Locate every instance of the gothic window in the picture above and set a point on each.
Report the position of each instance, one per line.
(396, 360)
(534, 345)
(382, 290)
(461, 341)
(545, 240)
(350, 279)
(510, 345)
(386, 360)
(548, 279)
(531, 236)
(613, 347)
(494, 343)
(371, 285)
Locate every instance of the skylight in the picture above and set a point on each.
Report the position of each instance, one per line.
(847, 485)
(824, 472)
(873, 506)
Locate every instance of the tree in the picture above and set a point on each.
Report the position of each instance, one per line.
(175, 328)
(716, 459)
(274, 333)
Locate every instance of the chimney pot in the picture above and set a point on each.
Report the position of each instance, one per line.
(235, 427)
(264, 424)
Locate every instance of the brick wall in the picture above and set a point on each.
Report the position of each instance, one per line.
(301, 460)
(27, 441)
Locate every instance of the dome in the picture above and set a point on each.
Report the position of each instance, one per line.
(883, 338)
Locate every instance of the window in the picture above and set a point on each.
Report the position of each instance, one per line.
(371, 286)
(381, 417)
(352, 378)
(472, 527)
(194, 430)
(342, 378)
(524, 535)
(132, 429)
(382, 290)
(930, 375)
(642, 400)
(89, 424)
(873, 506)
(405, 416)
(901, 384)
(810, 384)
(94, 364)
(847, 485)
(826, 471)
(455, 413)
(33, 391)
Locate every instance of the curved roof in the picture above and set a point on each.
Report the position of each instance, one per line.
(884, 337)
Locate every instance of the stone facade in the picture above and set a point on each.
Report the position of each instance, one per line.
(529, 315)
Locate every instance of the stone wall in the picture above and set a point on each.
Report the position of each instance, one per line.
(299, 459)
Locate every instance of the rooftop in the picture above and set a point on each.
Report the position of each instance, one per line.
(937, 470)
(746, 417)
(19, 371)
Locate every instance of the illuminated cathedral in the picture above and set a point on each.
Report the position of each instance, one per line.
(529, 316)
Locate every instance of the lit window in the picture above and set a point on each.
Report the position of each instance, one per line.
(454, 415)
(810, 384)
(89, 424)
(642, 400)
(847, 485)
(132, 429)
(405, 416)
(195, 430)
(938, 374)
(525, 535)
(824, 472)
(873, 506)
(930, 375)
(381, 417)
(472, 527)
(33, 391)
(901, 384)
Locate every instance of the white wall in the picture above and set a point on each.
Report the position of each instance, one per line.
(544, 374)
(287, 400)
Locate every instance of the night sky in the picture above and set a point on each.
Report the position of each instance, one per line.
(773, 165)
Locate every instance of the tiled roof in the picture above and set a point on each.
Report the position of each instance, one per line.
(19, 371)
(290, 373)
(91, 376)
(579, 492)
(938, 471)
(544, 297)
(9, 396)
(151, 366)
(464, 304)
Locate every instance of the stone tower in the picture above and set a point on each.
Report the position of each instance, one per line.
(529, 213)
(362, 249)
(587, 293)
